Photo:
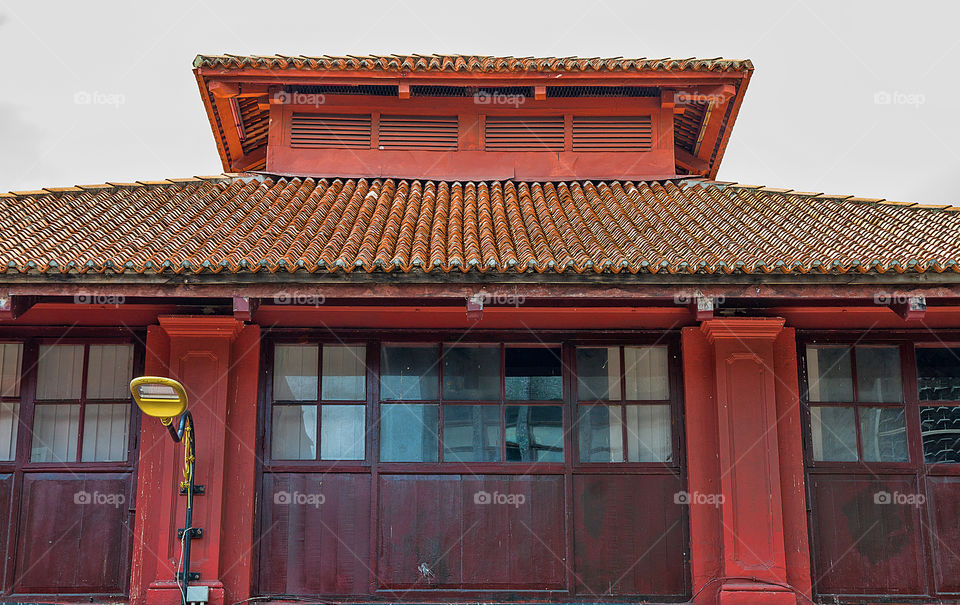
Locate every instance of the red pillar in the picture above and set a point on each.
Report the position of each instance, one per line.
(743, 436)
(216, 358)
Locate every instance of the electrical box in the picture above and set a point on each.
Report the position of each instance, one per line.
(197, 595)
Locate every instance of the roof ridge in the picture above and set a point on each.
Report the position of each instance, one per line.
(226, 176)
(696, 181)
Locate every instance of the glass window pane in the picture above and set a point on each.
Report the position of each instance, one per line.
(646, 372)
(834, 433)
(409, 373)
(9, 421)
(471, 373)
(408, 432)
(342, 432)
(471, 433)
(884, 434)
(55, 432)
(940, 427)
(533, 374)
(344, 372)
(598, 373)
(109, 371)
(648, 433)
(11, 356)
(878, 374)
(59, 372)
(295, 372)
(105, 430)
(938, 374)
(294, 432)
(601, 434)
(534, 433)
(829, 374)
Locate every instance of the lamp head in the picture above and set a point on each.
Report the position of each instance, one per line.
(159, 397)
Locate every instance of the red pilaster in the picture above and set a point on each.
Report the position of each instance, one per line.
(743, 436)
(216, 358)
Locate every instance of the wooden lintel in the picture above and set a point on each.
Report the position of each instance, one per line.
(252, 90)
(244, 307)
(223, 90)
(914, 308)
(687, 160)
(13, 306)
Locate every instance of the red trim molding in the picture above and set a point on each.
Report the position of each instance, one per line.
(742, 328)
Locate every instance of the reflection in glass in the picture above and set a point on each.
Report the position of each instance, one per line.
(342, 432)
(105, 430)
(646, 373)
(940, 427)
(884, 434)
(534, 433)
(344, 372)
(11, 357)
(56, 428)
(295, 372)
(471, 373)
(294, 432)
(471, 433)
(878, 374)
(109, 370)
(9, 423)
(600, 434)
(938, 373)
(598, 373)
(533, 374)
(408, 432)
(648, 433)
(834, 433)
(59, 372)
(409, 373)
(829, 374)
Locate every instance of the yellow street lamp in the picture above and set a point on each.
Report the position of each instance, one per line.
(166, 399)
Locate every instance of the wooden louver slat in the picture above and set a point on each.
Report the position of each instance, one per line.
(326, 131)
(431, 133)
(612, 133)
(503, 133)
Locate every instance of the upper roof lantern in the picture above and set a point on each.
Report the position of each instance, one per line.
(458, 117)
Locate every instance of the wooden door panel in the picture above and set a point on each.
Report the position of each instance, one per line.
(62, 515)
(315, 534)
(867, 535)
(943, 495)
(628, 535)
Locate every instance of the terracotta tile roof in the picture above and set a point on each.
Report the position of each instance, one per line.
(467, 63)
(252, 223)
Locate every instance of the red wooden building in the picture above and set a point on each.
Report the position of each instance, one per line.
(461, 329)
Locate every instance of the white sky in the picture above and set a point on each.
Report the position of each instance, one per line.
(811, 120)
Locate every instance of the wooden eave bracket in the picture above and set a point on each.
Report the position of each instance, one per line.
(13, 306)
(244, 307)
(913, 309)
(687, 160)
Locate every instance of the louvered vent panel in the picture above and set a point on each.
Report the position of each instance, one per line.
(432, 133)
(612, 133)
(330, 131)
(524, 134)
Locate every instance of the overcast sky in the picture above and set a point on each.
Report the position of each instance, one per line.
(848, 97)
